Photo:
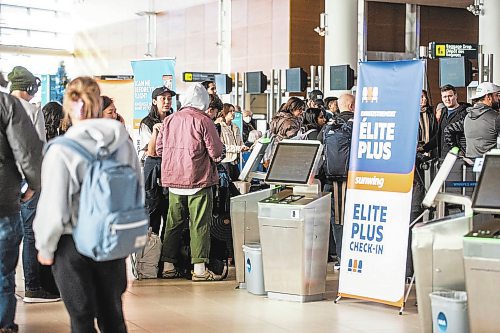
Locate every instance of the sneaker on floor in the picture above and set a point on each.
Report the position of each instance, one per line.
(336, 266)
(40, 296)
(172, 274)
(209, 276)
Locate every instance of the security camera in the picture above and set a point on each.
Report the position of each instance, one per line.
(320, 31)
(476, 8)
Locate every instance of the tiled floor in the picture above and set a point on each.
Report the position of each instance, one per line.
(182, 306)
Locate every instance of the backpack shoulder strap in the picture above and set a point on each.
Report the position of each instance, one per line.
(310, 131)
(70, 143)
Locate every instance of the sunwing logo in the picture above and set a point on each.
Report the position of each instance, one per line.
(355, 266)
(370, 94)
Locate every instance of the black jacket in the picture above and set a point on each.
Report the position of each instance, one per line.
(345, 116)
(438, 140)
(247, 128)
(19, 143)
(454, 135)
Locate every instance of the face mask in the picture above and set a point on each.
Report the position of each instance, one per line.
(76, 109)
(247, 119)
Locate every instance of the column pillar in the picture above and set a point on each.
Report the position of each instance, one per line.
(341, 38)
(489, 34)
(224, 38)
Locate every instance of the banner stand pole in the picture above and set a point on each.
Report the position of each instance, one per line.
(413, 276)
(407, 294)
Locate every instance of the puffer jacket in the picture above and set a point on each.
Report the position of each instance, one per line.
(481, 127)
(19, 143)
(284, 126)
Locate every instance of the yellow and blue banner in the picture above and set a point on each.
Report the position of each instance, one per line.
(150, 74)
(380, 181)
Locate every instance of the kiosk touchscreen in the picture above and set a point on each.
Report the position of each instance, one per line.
(250, 170)
(486, 197)
(294, 225)
(482, 250)
(294, 163)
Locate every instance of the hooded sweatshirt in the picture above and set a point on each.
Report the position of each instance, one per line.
(63, 171)
(481, 130)
(190, 145)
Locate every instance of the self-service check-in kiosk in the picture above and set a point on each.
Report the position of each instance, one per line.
(437, 245)
(244, 221)
(482, 251)
(294, 224)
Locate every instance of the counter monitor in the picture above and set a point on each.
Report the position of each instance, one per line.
(294, 162)
(486, 197)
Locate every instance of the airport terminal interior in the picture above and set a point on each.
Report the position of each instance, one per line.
(274, 166)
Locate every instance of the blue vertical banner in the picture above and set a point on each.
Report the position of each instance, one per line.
(150, 74)
(380, 181)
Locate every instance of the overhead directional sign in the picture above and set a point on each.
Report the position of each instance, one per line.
(198, 76)
(452, 50)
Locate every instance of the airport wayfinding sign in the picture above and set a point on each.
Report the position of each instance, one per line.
(453, 50)
(198, 76)
(380, 181)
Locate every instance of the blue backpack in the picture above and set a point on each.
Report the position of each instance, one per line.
(112, 220)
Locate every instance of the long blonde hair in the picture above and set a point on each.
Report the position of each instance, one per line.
(86, 89)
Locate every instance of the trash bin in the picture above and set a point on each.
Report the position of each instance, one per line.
(254, 274)
(449, 312)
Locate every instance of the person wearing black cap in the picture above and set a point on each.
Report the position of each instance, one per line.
(315, 99)
(156, 202)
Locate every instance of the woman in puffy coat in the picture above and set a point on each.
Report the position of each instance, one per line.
(286, 124)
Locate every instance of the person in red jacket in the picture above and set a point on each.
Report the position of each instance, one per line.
(190, 147)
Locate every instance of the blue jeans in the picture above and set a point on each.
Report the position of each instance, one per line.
(30, 262)
(10, 238)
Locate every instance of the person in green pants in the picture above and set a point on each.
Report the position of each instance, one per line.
(190, 146)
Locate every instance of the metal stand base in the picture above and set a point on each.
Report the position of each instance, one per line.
(295, 298)
(242, 285)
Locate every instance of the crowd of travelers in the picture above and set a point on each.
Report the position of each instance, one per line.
(190, 162)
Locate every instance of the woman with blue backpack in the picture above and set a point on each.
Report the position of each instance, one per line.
(90, 194)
